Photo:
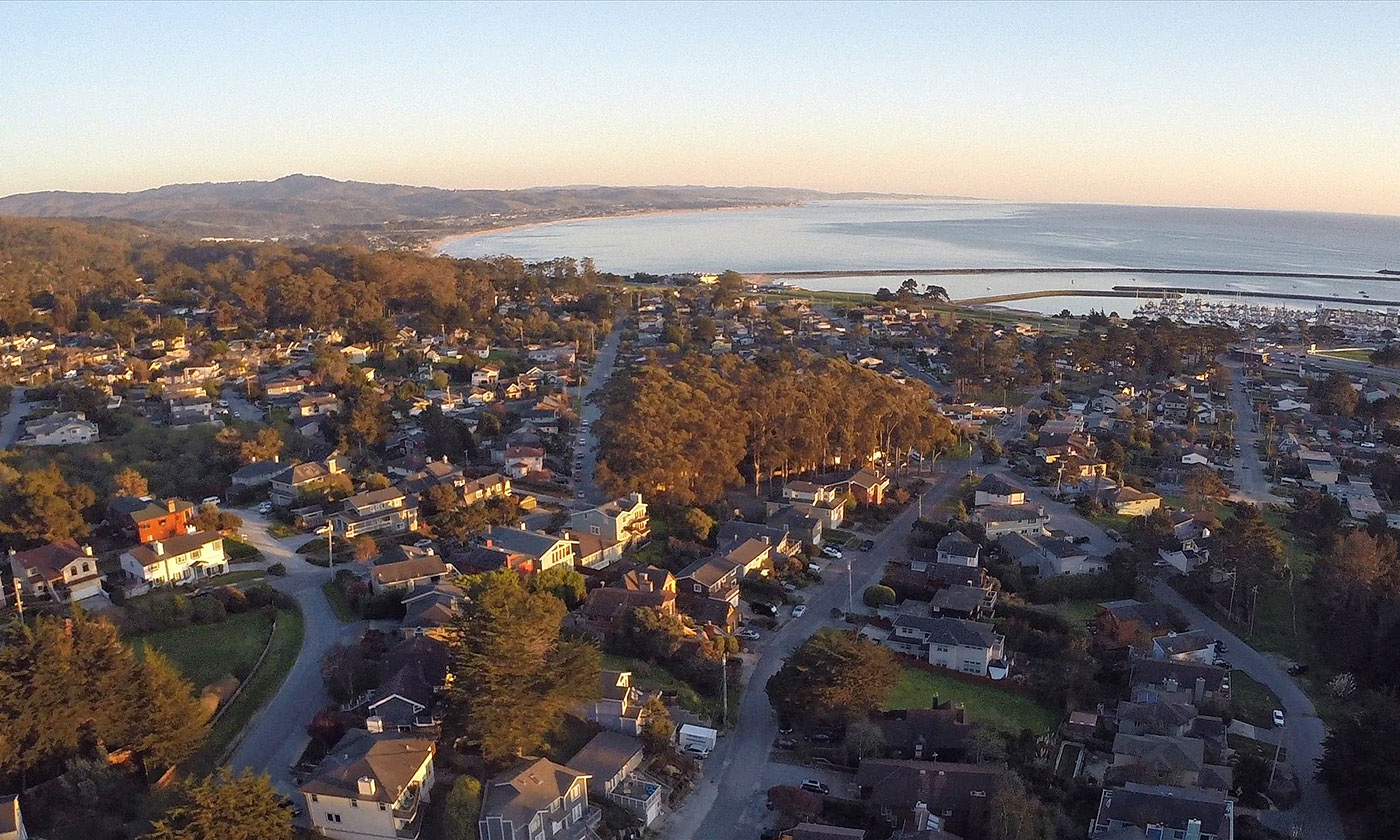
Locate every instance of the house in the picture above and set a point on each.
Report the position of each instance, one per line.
(1045, 557)
(541, 551)
(190, 410)
(817, 831)
(493, 486)
(146, 520)
(415, 670)
(1192, 646)
(520, 461)
(539, 800)
(486, 376)
(64, 428)
(11, 820)
(868, 486)
(650, 588)
(959, 601)
(621, 520)
(1127, 501)
(919, 795)
(419, 567)
(1169, 759)
(316, 405)
(996, 490)
(296, 479)
(1183, 555)
(1127, 621)
(967, 646)
(708, 578)
(1029, 520)
(611, 760)
(619, 707)
(820, 498)
(64, 572)
(177, 559)
(957, 548)
(375, 511)
(939, 732)
(371, 785)
(257, 473)
(1155, 718)
(1167, 812)
(430, 610)
(1171, 681)
(284, 387)
(1196, 456)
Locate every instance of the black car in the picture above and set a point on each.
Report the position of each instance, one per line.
(816, 787)
(866, 545)
(764, 609)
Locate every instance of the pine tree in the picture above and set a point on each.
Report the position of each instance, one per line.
(225, 807)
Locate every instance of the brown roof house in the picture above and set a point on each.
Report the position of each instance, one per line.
(430, 610)
(620, 707)
(942, 732)
(64, 572)
(650, 588)
(419, 567)
(539, 800)
(371, 785)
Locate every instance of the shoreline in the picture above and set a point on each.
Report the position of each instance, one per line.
(435, 246)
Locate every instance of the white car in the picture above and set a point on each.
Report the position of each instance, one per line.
(799, 610)
(746, 633)
(265, 508)
(696, 751)
(832, 552)
(210, 500)
(1278, 717)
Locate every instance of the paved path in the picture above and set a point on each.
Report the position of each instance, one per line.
(730, 800)
(9, 426)
(1302, 736)
(275, 737)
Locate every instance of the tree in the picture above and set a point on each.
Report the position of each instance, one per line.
(129, 482)
(878, 596)
(863, 738)
(515, 676)
(651, 635)
(698, 524)
(225, 807)
(1358, 765)
(463, 808)
(364, 549)
(563, 582)
(38, 506)
(1201, 485)
(657, 729)
(1016, 813)
(264, 446)
(1251, 547)
(834, 675)
(794, 803)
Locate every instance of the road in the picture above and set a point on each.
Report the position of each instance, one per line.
(275, 737)
(730, 801)
(603, 364)
(1249, 470)
(9, 426)
(241, 408)
(1302, 736)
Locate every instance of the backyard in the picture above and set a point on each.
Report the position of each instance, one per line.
(995, 707)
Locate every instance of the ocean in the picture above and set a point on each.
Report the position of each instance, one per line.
(837, 236)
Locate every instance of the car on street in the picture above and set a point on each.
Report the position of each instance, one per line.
(785, 744)
(746, 633)
(866, 545)
(1221, 647)
(831, 551)
(1278, 717)
(815, 787)
(1298, 669)
(423, 543)
(696, 751)
(1221, 662)
(265, 508)
(799, 610)
(578, 494)
(763, 608)
(210, 500)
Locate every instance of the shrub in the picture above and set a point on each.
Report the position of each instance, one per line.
(878, 596)
(463, 807)
(232, 599)
(207, 609)
(277, 569)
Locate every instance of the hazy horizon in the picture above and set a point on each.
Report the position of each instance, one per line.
(1251, 106)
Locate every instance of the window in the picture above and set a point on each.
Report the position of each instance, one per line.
(313, 798)
(941, 648)
(383, 807)
(699, 588)
(594, 529)
(354, 803)
(330, 817)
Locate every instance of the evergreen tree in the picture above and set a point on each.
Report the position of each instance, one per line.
(225, 807)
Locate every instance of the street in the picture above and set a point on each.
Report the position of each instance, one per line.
(9, 426)
(730, 800)
(1249, 470)
(603, 365)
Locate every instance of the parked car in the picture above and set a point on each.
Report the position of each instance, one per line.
(866, 545)
(1297, 669)
(265, 508)
(696, 751)
(746, 633)
(1220, 646)
(831, 551)
(816, 787)
(1114, 535)
(785, 744)
(1278, 717)
(423, 543)
(763, 608)
(210, 500)
(788, 587)
(799, 610)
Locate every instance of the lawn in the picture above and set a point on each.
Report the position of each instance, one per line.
(239, 551)
(648, 676)
(1349, 355)
(1252, 701)
(230, 578)
(1078, 612)
(257, 691)
(205, 652)
(340, 604)
(986, 704)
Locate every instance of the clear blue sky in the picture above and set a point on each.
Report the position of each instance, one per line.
(1273, 105)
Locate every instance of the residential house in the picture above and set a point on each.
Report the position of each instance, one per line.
(175, 560)
(996, 490)
(941, 732)
(539, 800)
(1196, 456)
(1128, 501)
(63, 571)
(868, 486)
(1045, 557)
(650, 588)
(486, 376)
(620, 707)
(1165, 812)
(712, 578)
(1129, 621)
(190, 410)
(64, 428)
(376, 511)
(919, 795)
(316, 405)
(371, 785)
(257, 473)
(520, 461)
(956, 548)
(967, 646)
(415, 671)
(11, 819)
(1183, 555)
(611, 761)
(1170, 681)
(1192, 646)
(1155, 718)
(430, 610)
(1166, 759)
(621, 520)
(960, 601)
(820, 498)
(418, 567)
(284, 387)
(493, 486)
(1028, 519)
(541, 551)
(296, 479)
(145, 519)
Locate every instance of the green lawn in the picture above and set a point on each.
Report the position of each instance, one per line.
(339, 603)
(230, 578)
(257, 691)
(205, 652)
(239, 551)
(1251, 701)
(985, 704)
(648, 676)
(1078, 612)
(1349, 355)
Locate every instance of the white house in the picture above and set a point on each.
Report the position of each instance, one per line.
(371, 785)
(178, 559)
(62, 429)
(954, 643)
(62, 571)
(540, 800)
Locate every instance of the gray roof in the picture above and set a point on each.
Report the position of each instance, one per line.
(514, 540)
(951, 631)
(516, 797)
(606, 754)
(1175, 643)
(389, 758)
(958, 545)
(1010, 513)
(959, 598)
(146, 555)
(1143, 805)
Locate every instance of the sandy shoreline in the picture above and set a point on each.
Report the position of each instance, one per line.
(435, 246)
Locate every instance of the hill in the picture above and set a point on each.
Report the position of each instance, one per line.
(307, 206)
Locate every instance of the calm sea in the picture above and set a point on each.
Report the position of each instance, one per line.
(912, 235)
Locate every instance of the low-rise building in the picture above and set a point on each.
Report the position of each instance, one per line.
(175, 560)
(967, 646)
(540, 551)
(146, 519)
(1027, 519)
(64, 428)
(376, 511)
(539, 800)
(371, 785)
(413, 567)
(611, 760)
(63, 571)
(1174, 813)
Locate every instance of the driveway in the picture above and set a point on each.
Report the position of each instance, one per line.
(1302, 736)
(275, 737)
(9, 426)
(730, 801)
(603, 365)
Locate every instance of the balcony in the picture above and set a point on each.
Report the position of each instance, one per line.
(406, 808)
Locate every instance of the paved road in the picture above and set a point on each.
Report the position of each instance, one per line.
(603, 365)
(276, 736)
(1302, 736)
(9, 426)
(240, 408)
(731, 799)
(1249, 470)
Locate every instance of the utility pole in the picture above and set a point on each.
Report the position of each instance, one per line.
(329, 531)
(724, 672)
(850, 588)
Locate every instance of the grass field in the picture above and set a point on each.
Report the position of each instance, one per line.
(1251, 701)
(648, 676)
(257, 691)
(239, 551)
(340, 605)
(1348, 355)
(205, 652)
(1078, 612)
(985, 704)
(240, 576)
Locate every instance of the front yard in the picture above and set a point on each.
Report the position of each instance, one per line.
(1251, 701)
(986, 704)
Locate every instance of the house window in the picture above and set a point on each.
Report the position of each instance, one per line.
(354, 803)
(383, 807)
(594, 529)
(335, 818)
(313, 798)
(941, 648)
(699, 588)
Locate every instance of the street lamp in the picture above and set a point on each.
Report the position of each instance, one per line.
(329, 531)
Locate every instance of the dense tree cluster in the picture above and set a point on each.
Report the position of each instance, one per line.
(69, 688)
(835, 676)
(688, 432)
(224, 807)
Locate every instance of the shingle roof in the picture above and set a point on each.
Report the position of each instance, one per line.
(173, 547)
(1143, 805)
(518, 796)
(514, 540)
(606, 754)
(389, 758)
(418, 567)
(951, 631)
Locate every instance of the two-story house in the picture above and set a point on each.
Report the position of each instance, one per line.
(146, 519)
(64, 428)
(611, 760)
(1012, 519)
(996, 490)
(371, 785)
(620, 706)
(298, 478)
(651, 588)
(407, 568)
(820, 498)
(316, 405)
(64, 572)
(375, 511)
(711, 577)
(960, 645)
(957, 548)
(1165, 812)
(620, 521)
(541, 551)
(486, 376)
(539, 800)
(177, 559)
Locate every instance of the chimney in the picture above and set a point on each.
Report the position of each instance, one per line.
(158, 547)
(1169, 684)
(1200, 691)
(487, 543)
(365, 785)
(87, 551)
(374, 724)
(170, 505)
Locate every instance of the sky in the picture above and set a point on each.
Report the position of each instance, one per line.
(1284, 106)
